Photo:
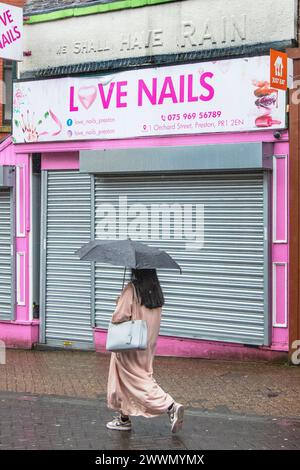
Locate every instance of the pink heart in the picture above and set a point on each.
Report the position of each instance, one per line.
(87, 95)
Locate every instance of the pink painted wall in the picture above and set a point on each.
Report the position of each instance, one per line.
(61, 160)
(204, 139)
(19, 334)
(65, 155)
(186, 347)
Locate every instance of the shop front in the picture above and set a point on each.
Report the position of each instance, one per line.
(183, 158)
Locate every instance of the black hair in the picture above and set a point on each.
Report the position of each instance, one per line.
(147, 287)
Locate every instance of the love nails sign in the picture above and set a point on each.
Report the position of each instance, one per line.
(11, 32)
(224, 96)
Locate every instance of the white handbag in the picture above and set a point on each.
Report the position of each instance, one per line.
(127, 335)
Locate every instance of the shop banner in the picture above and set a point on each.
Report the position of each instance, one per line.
(11, 32)
(224, 96)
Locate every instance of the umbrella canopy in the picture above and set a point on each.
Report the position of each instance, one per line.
(128, 253)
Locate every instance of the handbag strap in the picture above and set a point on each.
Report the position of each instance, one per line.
(134, 302)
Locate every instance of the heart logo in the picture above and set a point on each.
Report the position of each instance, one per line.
(87, 95)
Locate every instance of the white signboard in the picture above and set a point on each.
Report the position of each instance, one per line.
(225, 96)
(11, 32)
(170, 28)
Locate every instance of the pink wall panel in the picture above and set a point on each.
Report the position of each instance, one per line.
(280, 192)
(280, 295)
(60, 161)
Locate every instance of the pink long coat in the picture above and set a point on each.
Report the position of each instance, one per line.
(131, 387)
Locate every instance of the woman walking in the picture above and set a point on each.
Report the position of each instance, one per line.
(132, 390)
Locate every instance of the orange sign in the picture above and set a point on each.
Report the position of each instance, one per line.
(278, 69)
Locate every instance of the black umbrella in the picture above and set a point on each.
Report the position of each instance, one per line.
(128, 253)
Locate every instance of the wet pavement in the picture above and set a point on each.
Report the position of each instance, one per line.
(240, 387)
(56, 400)
(52, 422)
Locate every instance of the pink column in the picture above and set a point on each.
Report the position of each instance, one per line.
(22, 232)
(22, 331)
(280, 248)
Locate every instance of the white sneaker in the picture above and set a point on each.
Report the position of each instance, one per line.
(176, 414)
(118, 424)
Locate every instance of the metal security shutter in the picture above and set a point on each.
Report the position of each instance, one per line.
(221, 294)
(6, 303)
(66, 284)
